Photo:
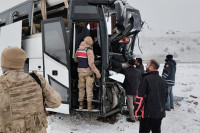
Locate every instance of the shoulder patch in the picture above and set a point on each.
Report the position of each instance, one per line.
(167, 65)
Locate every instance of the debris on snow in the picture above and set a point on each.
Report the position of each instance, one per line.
(193, 96)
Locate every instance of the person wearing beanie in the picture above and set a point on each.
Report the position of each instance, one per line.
(131, 83)
(168, 74)
(13, 57)
(86, 68)
(22, 99)
(169, 56)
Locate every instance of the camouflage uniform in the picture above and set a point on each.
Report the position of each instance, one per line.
(22, 101)
(22, 108)
(86, 70)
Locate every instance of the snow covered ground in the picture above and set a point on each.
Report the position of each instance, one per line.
(157, 44)
(185, 118)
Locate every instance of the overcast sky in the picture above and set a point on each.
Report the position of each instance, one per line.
(179, 15)
(182, 15)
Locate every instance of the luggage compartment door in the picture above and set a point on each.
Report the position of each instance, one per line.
(56, 60)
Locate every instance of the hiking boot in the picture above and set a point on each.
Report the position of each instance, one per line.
(80, 105)
(167, 109)
(172, 107)
(130, 120)
(90, 106)
(125, 112)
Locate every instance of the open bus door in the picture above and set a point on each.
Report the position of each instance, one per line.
(81, 11)
(56, 60)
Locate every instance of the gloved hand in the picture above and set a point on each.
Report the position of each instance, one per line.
(98, 75)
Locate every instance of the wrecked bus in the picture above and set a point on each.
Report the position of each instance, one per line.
(49, 31)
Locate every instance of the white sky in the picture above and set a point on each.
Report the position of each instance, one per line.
(6, 4)
(182, 15)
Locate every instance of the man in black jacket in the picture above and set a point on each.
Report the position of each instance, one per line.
(81, 32)
(168, 74)
(131, 84)
(151, 99)
(139, 65)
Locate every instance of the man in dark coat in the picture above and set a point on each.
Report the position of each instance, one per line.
(168, 74)
(139, 65)
(81, 32)
(131, 84)
(151, 99)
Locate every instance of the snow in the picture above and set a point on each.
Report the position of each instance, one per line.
(157, 44)
(185, 118)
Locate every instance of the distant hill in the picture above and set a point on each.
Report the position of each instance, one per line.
(157, 44)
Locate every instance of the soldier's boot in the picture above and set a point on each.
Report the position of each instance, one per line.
(81, 105)
(90, 106)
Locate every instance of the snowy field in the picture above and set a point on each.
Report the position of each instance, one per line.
(157, 44)
(185, 118)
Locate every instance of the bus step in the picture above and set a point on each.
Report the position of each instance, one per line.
(95, 101)
(86, 110)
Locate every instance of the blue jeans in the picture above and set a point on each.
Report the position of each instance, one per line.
(170, 99)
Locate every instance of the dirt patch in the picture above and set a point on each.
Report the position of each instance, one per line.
(109, 119)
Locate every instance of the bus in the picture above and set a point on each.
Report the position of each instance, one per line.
(50, 31)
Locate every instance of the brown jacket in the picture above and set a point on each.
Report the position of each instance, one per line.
(22, 106)
(90, 55)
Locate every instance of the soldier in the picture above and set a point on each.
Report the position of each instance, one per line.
(22, 99)
(86, 69)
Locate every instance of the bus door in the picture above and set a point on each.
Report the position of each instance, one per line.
(56, 60)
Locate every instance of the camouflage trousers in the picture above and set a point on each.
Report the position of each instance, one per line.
(85, 81)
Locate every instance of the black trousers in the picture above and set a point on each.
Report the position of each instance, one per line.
(147, 125)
